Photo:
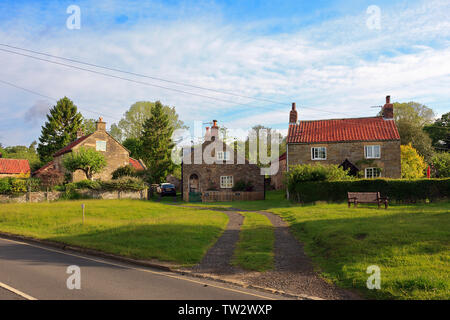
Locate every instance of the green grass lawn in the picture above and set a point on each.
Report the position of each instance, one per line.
(255, 247)
(410, 243)
(132, 228)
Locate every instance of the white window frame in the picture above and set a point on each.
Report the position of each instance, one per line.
(223, 155)
(372, 169)
(372, 149)
(313, 149)
(226, 182)
(97, 145)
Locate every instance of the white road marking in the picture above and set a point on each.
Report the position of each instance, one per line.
(137, 269)
(19, 293)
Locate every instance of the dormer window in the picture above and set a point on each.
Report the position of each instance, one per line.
(100, 145)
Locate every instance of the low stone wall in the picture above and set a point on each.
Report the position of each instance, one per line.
(43, 196)
(216, 196)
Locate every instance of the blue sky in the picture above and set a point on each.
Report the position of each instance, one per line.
(321, 54)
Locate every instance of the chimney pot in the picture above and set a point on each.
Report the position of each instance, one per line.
(388, 109)
(101, 126)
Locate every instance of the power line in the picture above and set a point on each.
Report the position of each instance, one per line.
(51, 98)
(150, 84)
(145, 76)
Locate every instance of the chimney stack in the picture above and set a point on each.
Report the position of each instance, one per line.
(214, 130)
(293, 116)
(207, 134)
(388, 109)
(101, 126)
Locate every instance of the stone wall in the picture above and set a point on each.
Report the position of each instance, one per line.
(55, 195)
(389, 162)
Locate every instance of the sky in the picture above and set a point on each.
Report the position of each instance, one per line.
(335, 59)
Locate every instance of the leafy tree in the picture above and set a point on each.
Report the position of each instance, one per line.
(157, 144)
(441, 163)
(125, 171)
(439, 132)
(410, 118)
(89, 126)
(85, 159)
(135, 147)
(270, 133)
(132, 124)
(413, 164)
(60, 128)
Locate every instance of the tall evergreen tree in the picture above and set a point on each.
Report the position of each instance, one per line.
(157, 144)
(60, 128)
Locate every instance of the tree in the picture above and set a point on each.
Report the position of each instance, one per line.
(413, 164)
(60, 129)
(157, 144)
(410, 118)
(441, 163)
(89, 126)
(270, 133)
(439, 132)
(131, 125)
(134, 145)
(85, 159)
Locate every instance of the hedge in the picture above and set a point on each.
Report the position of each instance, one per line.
(398, 190)
(11, 185)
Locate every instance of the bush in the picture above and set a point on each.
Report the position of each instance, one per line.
(441, 163)
(12, 185)
(307, 172)
(403, 191)
(243, 185)
(124, 184)
(124, 171)
(5, 186)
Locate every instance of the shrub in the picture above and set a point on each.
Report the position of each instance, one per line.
(403, 191)
(18, 186)
(306, 172)
(124, 171)
(243, 185)
(5, 186)
(441, 163)
(412, 162)
(124, 184)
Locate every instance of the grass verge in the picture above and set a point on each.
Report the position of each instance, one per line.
(131, 228)
(254, 250)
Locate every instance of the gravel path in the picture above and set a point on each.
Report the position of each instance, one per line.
(218, 258)
(294, 272)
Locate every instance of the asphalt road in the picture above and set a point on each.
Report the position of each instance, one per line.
(34, 271)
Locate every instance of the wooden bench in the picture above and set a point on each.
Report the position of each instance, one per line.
(366, 197)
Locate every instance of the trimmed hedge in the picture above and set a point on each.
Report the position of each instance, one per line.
(11, 185)
(398, 190)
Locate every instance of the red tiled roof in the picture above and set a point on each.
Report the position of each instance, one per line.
(43, 168)
(69, 147)
(136, 164)
(14, 166)
(342, 130)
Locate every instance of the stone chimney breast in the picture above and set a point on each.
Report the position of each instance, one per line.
(100, 125)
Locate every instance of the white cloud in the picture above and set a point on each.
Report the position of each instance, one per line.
(338, 66)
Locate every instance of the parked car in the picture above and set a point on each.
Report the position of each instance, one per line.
(167, 189)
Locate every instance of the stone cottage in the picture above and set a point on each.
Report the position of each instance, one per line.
(216, 167)
(115, 154)
(369, 147)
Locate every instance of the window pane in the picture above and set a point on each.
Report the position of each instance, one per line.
(376, 151)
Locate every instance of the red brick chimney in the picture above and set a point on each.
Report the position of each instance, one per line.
(101, 126)
(388, 109)
(293, 115)
(214, 130)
